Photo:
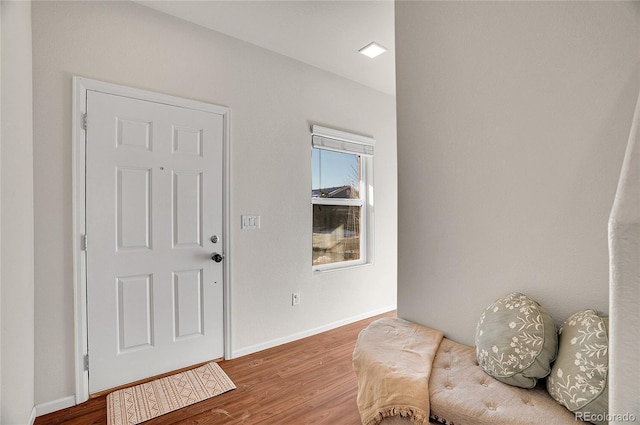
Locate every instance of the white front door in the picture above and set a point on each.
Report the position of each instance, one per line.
(154, 178)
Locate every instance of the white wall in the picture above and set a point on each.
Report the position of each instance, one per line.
(624, 283)
(16, 225)
(513, 119)
(273, 100)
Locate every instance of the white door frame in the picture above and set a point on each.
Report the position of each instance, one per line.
(80, 88)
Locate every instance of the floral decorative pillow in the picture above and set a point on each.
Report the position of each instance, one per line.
(578, 379)
(516, 341)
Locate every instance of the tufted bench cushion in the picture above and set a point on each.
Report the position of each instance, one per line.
(462, 394)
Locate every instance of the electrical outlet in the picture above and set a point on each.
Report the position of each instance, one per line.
(295, 298)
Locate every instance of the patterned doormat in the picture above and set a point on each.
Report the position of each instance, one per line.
(140, 403)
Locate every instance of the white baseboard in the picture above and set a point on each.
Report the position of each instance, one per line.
(32, 418)
(55, 405)
(294, 337)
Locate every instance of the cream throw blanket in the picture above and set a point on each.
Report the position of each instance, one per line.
(392, 360)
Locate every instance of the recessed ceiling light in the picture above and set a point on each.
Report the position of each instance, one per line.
(372, 50)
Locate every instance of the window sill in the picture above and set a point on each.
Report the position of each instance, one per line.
(324, 270)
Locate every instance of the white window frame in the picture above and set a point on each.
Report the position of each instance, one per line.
(344, 142)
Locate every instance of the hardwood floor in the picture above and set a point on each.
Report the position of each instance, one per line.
(309, 381)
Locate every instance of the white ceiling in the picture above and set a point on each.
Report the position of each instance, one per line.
(324, 33)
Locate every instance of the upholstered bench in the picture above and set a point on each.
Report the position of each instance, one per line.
(459, 391)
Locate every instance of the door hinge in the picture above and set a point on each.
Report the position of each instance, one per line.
(86, 361)
(84, 242)
(84, 122)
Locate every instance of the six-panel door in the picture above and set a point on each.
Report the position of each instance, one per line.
(154, 199)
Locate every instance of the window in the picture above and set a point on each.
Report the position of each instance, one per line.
(342, 198)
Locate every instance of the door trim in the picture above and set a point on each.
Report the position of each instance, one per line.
(80, 87)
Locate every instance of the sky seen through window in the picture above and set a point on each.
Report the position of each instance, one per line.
(334, 169)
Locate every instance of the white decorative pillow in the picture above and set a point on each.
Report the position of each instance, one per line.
(578, 379)
(516, 341)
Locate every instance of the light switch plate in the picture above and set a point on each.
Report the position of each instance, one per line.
(250, 222)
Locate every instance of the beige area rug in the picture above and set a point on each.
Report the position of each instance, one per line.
(142, 402)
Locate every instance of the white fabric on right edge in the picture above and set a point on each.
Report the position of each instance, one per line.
(624, 287)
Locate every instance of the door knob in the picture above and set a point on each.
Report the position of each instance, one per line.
(217, 257)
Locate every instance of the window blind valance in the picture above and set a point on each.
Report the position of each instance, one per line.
(327, 138)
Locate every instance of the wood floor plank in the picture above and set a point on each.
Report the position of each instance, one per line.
(305, 382)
